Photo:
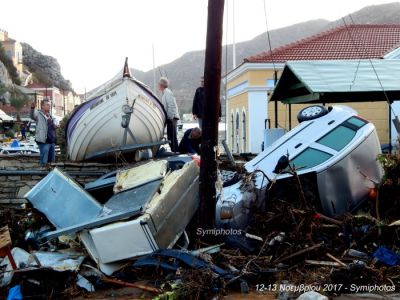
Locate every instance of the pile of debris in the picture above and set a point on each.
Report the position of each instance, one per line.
(135, 228)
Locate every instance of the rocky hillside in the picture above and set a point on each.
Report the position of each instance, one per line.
(185, 71)
(44, 68)
(374, 14)
(4, 77)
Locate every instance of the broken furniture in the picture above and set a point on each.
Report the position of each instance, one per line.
(5, 245)
(149, 211)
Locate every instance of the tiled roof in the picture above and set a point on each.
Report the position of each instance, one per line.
(36, 86)
(351, 42)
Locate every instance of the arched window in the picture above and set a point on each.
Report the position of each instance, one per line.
(232, 134)
(244, 129)
(237, 139)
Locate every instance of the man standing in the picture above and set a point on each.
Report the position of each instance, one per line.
(45, 131)
(190, 142)
(169, 102)
(198, 104)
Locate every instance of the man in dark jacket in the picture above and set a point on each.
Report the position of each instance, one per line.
(198, 104)
(190, 142)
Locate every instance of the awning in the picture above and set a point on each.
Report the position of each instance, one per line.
(5, 117)
(338, 81)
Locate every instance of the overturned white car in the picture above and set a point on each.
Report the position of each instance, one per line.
(335, 146)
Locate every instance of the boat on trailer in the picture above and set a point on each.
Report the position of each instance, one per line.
(122, 115)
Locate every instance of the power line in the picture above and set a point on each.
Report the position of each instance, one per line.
(366, 55)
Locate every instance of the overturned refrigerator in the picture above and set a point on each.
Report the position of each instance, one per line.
(150, 208)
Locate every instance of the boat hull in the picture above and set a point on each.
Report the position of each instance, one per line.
(95, 127)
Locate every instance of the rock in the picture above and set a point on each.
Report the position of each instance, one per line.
(22, 191)
(44, 66)
(312, 296)
(4, 77)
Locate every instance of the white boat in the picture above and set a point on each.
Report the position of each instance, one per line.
(121, 115)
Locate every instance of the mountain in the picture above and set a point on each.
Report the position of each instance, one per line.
(374, 14)
(184, 72)
(45, 69)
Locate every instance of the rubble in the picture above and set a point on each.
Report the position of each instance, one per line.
(293, 246)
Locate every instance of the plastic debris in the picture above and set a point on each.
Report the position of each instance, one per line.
(387, 256)
(15, 293)
(84, 283)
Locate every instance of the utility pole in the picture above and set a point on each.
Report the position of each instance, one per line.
(212, 85)
(233, 37)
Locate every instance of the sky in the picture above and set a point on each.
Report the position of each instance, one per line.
(91, 38)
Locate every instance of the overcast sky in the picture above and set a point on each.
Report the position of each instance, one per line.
(90, 39)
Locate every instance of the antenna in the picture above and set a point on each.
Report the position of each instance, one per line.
(154, 71)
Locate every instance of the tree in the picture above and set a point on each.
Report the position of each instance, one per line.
(3, 94)
(18, 100)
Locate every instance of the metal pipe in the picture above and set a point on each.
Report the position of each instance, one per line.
(45, 172)
(390, 126)
(276, 102)
(228, 152)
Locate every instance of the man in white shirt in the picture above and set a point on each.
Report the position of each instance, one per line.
(169, 102)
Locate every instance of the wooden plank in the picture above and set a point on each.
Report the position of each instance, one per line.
(5, 238)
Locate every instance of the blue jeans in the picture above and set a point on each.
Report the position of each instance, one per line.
(47, 153)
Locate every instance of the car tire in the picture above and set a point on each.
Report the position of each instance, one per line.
(236, 178)
(311, 112)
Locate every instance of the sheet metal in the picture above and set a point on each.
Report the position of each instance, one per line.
(338, 81)
(63, 201)
(126, 204)
(71, 209)
(139, 175)
(343, 186)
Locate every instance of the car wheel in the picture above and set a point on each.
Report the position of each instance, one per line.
(311, 112)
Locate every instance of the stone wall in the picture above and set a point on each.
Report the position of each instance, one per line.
(19, 174)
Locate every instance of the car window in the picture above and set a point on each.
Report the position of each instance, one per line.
(356, 122)
(310, 158)
(338, 138)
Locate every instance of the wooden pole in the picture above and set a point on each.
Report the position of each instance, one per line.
(212, 85)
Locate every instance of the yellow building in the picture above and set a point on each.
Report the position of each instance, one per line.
(251, 83)
(13, 50)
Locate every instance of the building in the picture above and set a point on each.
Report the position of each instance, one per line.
(70, 101)
(251, 83)
(31, 94)
(13, 50)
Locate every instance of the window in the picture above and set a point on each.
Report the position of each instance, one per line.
(270, 83)
(237, 133)
(310, 158)
(357, 122)
(342, 135)
(244, 131)
(338, 138)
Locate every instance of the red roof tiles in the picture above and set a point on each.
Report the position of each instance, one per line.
(353, 42)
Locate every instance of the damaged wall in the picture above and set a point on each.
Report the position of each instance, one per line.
(19, 174)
